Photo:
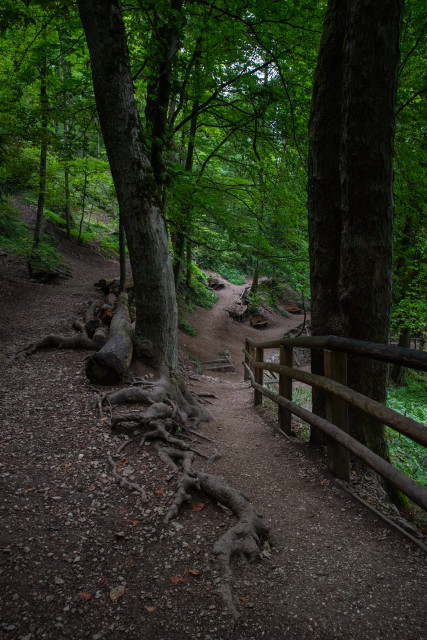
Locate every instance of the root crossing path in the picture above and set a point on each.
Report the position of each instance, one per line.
(86, 548)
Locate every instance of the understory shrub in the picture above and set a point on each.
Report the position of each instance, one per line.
(410, 399)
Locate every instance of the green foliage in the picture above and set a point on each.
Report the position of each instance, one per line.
(232, 274)
(186, 327)
(227, 264)
(84, 238)
(17, 237)
(197, 364)
(302, 397)
(409, 399)
(110, 245)
(408, 456)
(199, 295)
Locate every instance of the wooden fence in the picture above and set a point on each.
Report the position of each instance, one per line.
(338, 396)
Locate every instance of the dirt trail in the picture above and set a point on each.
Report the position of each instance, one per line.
(71, 534)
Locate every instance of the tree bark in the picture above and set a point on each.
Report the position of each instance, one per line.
(122, 248)
(324, 191)
(110, 363)
(350, 189)
(372, 52)
(156, 112)
(43, 154)
(156, 314)
(68, 216)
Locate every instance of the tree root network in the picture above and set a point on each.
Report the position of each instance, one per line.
(164, 419)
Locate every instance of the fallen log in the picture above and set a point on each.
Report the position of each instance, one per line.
(100, 337)
(109, 364)
(112, 285)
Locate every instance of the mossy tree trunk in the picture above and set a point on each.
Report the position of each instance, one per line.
(137, 191)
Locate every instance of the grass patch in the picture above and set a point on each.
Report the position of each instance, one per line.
(186, 327)
(15, 234)
(110, 245)
(410, 399)
(17, 237)
(232, 274)
(407, 456)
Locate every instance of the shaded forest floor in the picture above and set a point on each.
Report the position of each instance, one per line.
(83, 558)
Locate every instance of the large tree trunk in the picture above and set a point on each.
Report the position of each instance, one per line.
(350, 187)
(365, 290)
(324, 191)
(156, 314)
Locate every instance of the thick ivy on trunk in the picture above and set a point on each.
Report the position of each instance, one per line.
(350, 187)
(137, 191)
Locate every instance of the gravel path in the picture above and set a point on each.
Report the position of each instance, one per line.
(82, 557)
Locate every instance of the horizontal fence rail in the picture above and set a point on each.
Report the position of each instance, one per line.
(338, 397)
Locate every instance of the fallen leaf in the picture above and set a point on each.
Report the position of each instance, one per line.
(193, 573)
(198, 506)
(92, 487)
(159, 492)
(84, 595)
(132, 521)
(103, 582)
(243, 599)
(150, 609)
(117, 592)
(177, 579)
(125, 461)
(325, 482)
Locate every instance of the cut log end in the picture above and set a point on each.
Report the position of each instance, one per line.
(105, 373)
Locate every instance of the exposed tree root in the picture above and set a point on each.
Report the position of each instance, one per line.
(134, 395)
(166, 407)
(123, 482)
(244, 538)
(161, 433)
(77, 341)
(187, 481)
(162, 391)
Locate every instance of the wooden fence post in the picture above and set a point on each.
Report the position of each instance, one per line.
(285, 389)
(337, 412)
(245, 371)
(259, 376)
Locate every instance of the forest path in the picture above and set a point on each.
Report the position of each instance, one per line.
(70, 534)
